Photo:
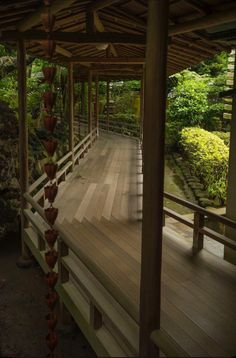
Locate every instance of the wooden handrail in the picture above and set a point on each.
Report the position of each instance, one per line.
(68, 155)
(205, 212)
(198, 224)
(167, 344)
(113, 290)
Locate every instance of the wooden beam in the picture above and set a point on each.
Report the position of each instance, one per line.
(101, 4)
(23, 139)
(75, 37)
(99, 26)
(153, 173)
(35, 17)
(109, 60)
(90, 22)
(222, 17)
(62, 51)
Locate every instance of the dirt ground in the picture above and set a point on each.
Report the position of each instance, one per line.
(23, 309)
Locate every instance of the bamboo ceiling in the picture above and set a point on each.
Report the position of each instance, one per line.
(198, 29)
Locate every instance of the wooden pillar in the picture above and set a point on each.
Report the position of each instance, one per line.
(82, 111)
(108, 101)
(153, 178)
(89, 101)
(97, 103)
(82, 98)
(71, 108)
(142, 104)
(229, 254)
(23, 142)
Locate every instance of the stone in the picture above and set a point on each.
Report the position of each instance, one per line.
(205, 202)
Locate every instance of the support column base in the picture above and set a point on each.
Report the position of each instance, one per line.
(24, 262)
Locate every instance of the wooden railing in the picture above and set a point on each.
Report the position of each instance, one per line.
(125, 128)
(120, 127)
(198, 224)
(65, 166)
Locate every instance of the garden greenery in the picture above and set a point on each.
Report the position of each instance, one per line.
(208, 157)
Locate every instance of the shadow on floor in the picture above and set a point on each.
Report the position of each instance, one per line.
(22, 311)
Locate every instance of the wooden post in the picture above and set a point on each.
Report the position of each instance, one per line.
(197, 235)
(142, 104)
(95, 317)
(153, 178)
(23, 146)
(229, 254)
(82, 112)
(142, 93)
(97, 103)
(63, 277)
(71, 109)
(89, 101)
(108, 101)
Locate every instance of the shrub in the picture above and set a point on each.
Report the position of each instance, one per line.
(225, 136)
(208, 157)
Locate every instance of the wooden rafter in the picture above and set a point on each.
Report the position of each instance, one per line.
(107, 60)
(205, 22)
(101, 4)
(35, 17)
(99, 26)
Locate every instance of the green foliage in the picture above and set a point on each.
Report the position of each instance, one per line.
(193, 98)
(225, 136)
(188, 100)
(208, 157)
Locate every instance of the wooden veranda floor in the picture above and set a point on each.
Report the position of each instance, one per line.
(100, 210)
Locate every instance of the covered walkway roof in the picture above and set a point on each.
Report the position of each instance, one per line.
(197, 30)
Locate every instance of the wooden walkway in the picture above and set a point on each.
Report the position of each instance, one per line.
(100, 210)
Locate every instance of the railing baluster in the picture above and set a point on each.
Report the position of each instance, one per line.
(197, 235)
(63, 276)
(95, 317)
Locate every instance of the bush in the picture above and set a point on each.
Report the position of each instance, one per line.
(225, 136)
(208, 157)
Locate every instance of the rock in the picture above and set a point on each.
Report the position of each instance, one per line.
(196, 185)
(200, 194)
(205, 202)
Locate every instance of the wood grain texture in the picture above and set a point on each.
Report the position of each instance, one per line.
(198, 292)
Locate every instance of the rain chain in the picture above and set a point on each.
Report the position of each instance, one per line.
(50, 168)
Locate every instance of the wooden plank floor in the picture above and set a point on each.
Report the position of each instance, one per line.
(99, 208)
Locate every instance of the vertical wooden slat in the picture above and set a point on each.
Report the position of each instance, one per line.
(63, 277)
(95, 317)
(108, 102)
(142, 104)
(71, 108)
(97, 103)
(153, 179)
(197, 235)
(23, 139)
(89, 101)
(229, 254)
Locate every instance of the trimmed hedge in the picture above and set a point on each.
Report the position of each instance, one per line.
(225, 136)
(208, 157)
